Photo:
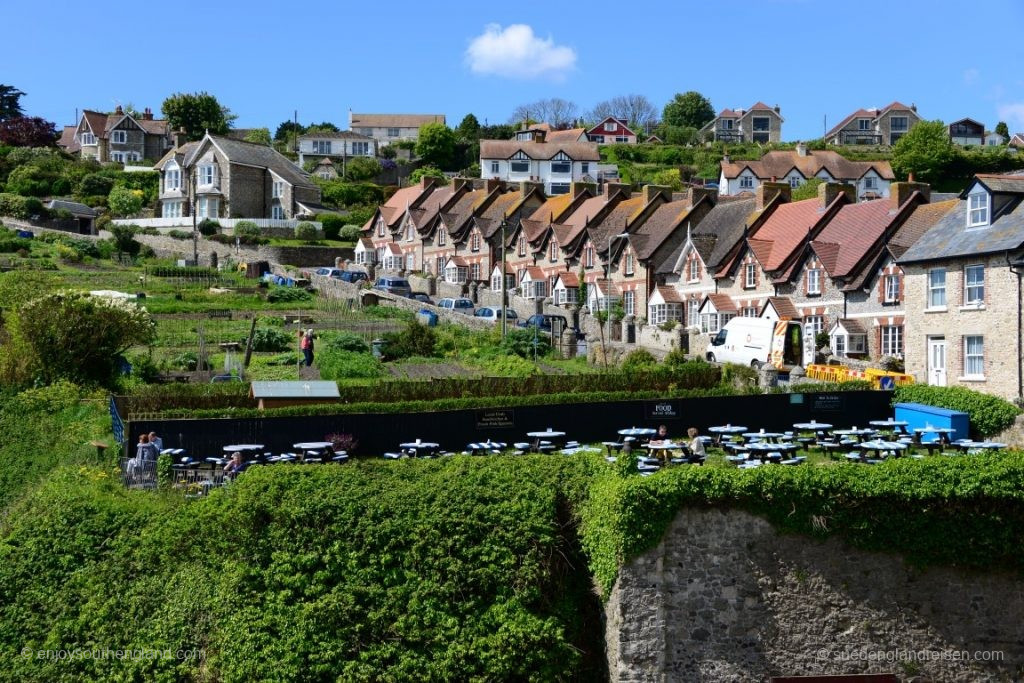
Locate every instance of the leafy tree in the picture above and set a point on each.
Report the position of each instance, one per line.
(688, 109)
(637, 110)
(30, 180)
(259, 135)
(436, 145)
(808, 190)
(94, 184)
(677, 135)
(286, 129)
(387, 152)
(430, 172)
(125, 202)
(323, 127)
(10, 106)
(197, 113)
(555, 111)
(469, 128)
(124, 238)
(669, 177)
(501, 131)
(361, 169)
(28, 131)
(74, 336)
(925, 150)
(1002, 129)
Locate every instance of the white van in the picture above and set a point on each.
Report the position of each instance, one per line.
(756, 341)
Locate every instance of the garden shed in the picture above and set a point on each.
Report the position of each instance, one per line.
(280, 394)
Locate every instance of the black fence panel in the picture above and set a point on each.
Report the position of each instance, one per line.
(584, 422)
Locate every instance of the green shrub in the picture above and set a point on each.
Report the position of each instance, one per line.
(287, 294)
(10, 245)
(640, 359)
(247, 229)
(271, 339)
(332, 224)
(283, 359)
(677, 357)
(414, 340)
(511, 366)
(186, 361)
(69, 254)
(344, 341)
(669, 325)
(524, 342)
(208, 227)
(94, 184)
(230, 240)
(15, 206)
(350, 232)
(179, 234)
(988, 414)
(306, 232)
(348, 364)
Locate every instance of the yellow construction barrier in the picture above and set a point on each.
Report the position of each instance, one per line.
(841, 373)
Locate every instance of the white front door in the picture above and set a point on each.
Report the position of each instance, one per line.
(937, 361)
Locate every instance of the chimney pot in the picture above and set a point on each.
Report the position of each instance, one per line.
(801, 149)
(766, 192)
(899, 193)
(827, 193)
(119, 110)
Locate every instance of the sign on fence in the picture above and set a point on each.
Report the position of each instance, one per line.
(662, 410)
(490, 419)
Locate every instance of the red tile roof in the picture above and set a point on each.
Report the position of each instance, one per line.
(783, 305)
(569, 279)
(723, 303)
(784, 231)
(670, 295)
(851, 233)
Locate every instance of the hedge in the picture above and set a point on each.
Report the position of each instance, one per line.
(988, 414)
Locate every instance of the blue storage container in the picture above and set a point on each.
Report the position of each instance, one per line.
(26, 234)
(918, 415)
(427, 317)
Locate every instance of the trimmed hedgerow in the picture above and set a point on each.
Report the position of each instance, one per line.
(988, 414)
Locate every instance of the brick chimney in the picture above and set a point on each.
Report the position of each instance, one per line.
(526, 185)
(777, 110)
(899, 193)
(651, 192)
(538, 136)
(576, 188)
(147, 115)
(180, 137)
(827, 193)
(766, 192)
(492, 184)
(612, 188)
(459, 183)
(427, 181)
(119, 110)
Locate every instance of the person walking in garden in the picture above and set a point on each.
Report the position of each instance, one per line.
(306, 344)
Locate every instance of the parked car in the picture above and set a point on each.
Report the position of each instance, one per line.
(329, 272)
(545, 321)
(398, 286)
(460, 305)
(421, 297)
(494, 314)
(353, 276)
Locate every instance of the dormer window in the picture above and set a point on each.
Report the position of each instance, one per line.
(977, 209)
(610, 126)
(864, 124)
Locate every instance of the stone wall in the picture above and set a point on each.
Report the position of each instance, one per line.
(726, 597)
(169, 247)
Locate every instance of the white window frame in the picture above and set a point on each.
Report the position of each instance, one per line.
(628, 267)
(321, 147)
(869, 182)
(394, 132)
(610, 126)
(86, 139)
(937, 288)
(629, 302)
(380, 227)
(360, 149)
(205, 206)
(816, 323)
(410, 260)
(588, 256)
(977, 209)
(442, 236)
(277, 189)
(117, 156)
(495, 167)
(892, 288)
(903, 128)
(694, 270)
(563, 167)
(277, 212)
(974, 285)
(585, 167)
(693, 313)
(892, 341)
(119, 137)
(523, 166)
(172, 179)
(622, 139)
(207, 174)
(553, 251)
(863, 124)
(974, 356)
(172, 209)
(749, 275)
(794, 181)
(813, 281)
(522, 246)
(474, 241)
(746, 182)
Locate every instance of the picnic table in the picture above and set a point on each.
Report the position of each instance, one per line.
(942, 433)
(773, 452)
(421, 449)
(723, 430)
(967, 445)
(858, 433)
(880, 447)
(890, 424)
(484, 447)
(812, 426)
(662, 450)
(763, 436)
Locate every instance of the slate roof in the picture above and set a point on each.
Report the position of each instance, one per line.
(74, 207)
(659, 226)
(999, 183)
(500, 207)
(505, 149)
(255, 154)
(779, 163)
(950, 238)
(851, 233)
(67, 139)
(716, 234)
(919, 222)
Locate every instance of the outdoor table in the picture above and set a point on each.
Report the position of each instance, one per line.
(891, 424)
(723, 430)
(966, 445)
(312, 446)
(243, 447)
(661, 449)
(486, 446)
(812, 426)
(762, 450)
(856, 433)
(427, 447)
(942, 432)
(763, 436)
(550, 435)
(878, 446)
(638, 432)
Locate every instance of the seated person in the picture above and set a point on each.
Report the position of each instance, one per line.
(662, 434)
(235, 466)
(695, 446)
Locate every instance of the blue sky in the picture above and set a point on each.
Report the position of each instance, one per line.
(264, 60)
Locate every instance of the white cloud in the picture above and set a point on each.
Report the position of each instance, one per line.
(971, 76)
(1013, 114)
(515, 52)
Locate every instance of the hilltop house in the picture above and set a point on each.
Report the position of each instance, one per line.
(120, 136)
(760, 123)
(553, 164)
(227, 178)
(966, 132)
(338, 145)
(611, 131)
(870, 179)
(874, 126)
(389, 128)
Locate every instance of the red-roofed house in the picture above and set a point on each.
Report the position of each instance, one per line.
(391, 223)
(612, 131)
(760, 123)
(874, 126)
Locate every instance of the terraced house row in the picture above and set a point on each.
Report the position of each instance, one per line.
(901, 276)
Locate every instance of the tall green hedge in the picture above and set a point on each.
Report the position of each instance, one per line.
(988, 414)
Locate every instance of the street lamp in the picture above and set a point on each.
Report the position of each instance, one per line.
(607, 281)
